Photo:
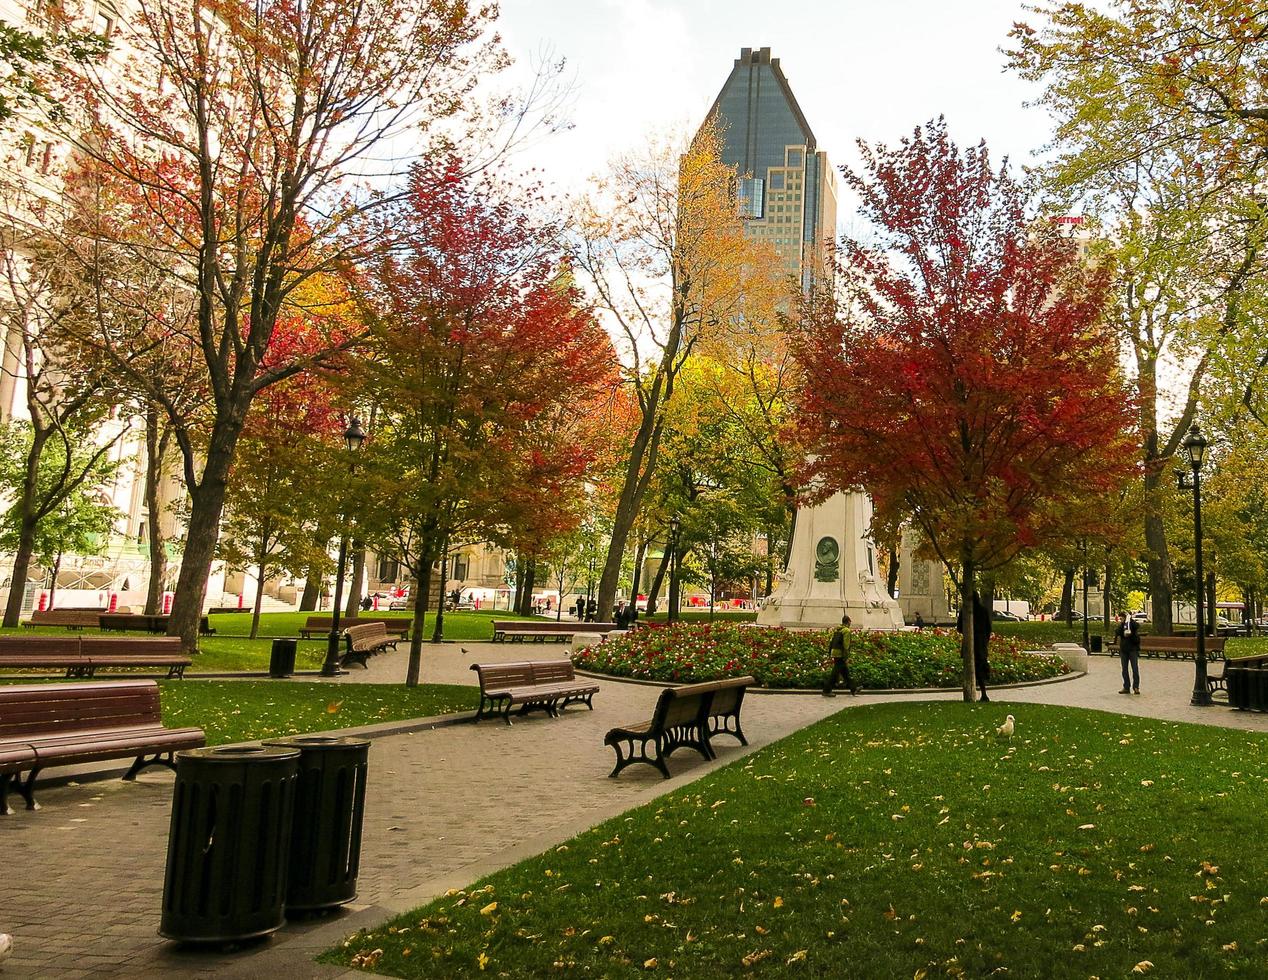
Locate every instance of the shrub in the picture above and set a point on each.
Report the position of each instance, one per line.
(688, 652)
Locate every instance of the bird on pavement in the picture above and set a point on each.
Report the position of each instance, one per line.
(1007, 728)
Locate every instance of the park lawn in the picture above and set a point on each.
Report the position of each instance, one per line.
(893, 840)
(241, 711)
(463, 624)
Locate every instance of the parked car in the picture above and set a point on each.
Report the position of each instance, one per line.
(1003, 615)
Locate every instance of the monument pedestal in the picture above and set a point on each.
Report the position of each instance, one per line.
(832, 571)
(920, 588)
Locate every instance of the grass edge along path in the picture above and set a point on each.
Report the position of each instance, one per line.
(243, 711)
(893, 840)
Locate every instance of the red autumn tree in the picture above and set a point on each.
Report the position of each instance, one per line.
(963, 377)
(479, 349)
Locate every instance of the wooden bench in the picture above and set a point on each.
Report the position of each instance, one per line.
(1177, 647)
(364, 640)
(71, 619)
(549, 685)
(540, 630)
(685, 717)
(142, 623)
(397, 626)
(43, 725)
(83, 656)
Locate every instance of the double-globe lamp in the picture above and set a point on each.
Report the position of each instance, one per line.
(353, 437)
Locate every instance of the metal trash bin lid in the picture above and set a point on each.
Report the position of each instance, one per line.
(316, 743)
(239, 754)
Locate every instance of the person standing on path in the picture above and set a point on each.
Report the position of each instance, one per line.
(839, 647)
(1128, 636)
(981, 642)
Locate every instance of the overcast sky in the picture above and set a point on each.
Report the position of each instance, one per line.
(870, 69)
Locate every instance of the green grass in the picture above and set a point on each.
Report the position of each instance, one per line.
(239, 711)
(230, 650)
(894, 840)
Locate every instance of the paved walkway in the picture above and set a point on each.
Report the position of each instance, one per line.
(83, 875)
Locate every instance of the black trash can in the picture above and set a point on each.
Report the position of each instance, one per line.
(282, 657)
(329, 808)
(229, 843)
(1094, 641)
(1236, 682)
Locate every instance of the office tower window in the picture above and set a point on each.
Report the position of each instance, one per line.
(751, 196)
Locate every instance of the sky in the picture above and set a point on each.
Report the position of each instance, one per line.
(869, 69)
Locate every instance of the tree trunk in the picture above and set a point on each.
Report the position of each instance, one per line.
(155, 454)
(530, 580)
(195, 566)
(354, 583)
(57, 570)
(312, 589)
(640, 555)
(1158, 561)
(966, 619)
(422, 585)
(24, 509)
(438, 630)
(1066, 611)
(261, 558)
(1105, 600)
(891, 576)
(653, 593)
(1212, 612)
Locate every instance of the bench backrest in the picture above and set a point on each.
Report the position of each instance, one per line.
(33, 709)
(518, 674)
(65, 617)
(682, 705)
(1257, 660)
(104, 647)
(40, 646)
(730, 695)
(363, 635)
(1182, 644)
(393, 624)
(552, 671)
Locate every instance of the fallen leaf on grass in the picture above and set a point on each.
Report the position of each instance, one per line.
(797, 957)
(482, 961)
(333, 707)
(489, 909)
(1144, 966)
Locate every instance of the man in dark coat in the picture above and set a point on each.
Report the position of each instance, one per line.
(1128, 636)
(981, 642)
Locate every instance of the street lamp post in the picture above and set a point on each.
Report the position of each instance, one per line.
(352, 438)
(1195, 445)
(672, 614)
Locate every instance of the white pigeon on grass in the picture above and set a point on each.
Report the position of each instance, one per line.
(1007, 728)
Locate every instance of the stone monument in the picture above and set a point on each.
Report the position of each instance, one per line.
(831, 571)
(920, 587)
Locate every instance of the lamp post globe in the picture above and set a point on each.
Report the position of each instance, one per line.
(353, 437)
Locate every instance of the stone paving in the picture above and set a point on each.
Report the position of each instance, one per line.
(83, 876)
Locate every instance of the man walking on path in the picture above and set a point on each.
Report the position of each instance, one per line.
(839, 647)
(1128, 635)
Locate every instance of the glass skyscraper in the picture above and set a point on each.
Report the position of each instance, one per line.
(787, 192)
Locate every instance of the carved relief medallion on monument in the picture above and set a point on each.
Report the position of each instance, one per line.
(827, 555)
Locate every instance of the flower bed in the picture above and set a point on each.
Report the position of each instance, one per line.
(783, 658)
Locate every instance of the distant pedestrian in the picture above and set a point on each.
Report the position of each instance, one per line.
(839, 648)
(621, 617)
(1128, 636)
(920, 621)
(367, 604)
(592, 609)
